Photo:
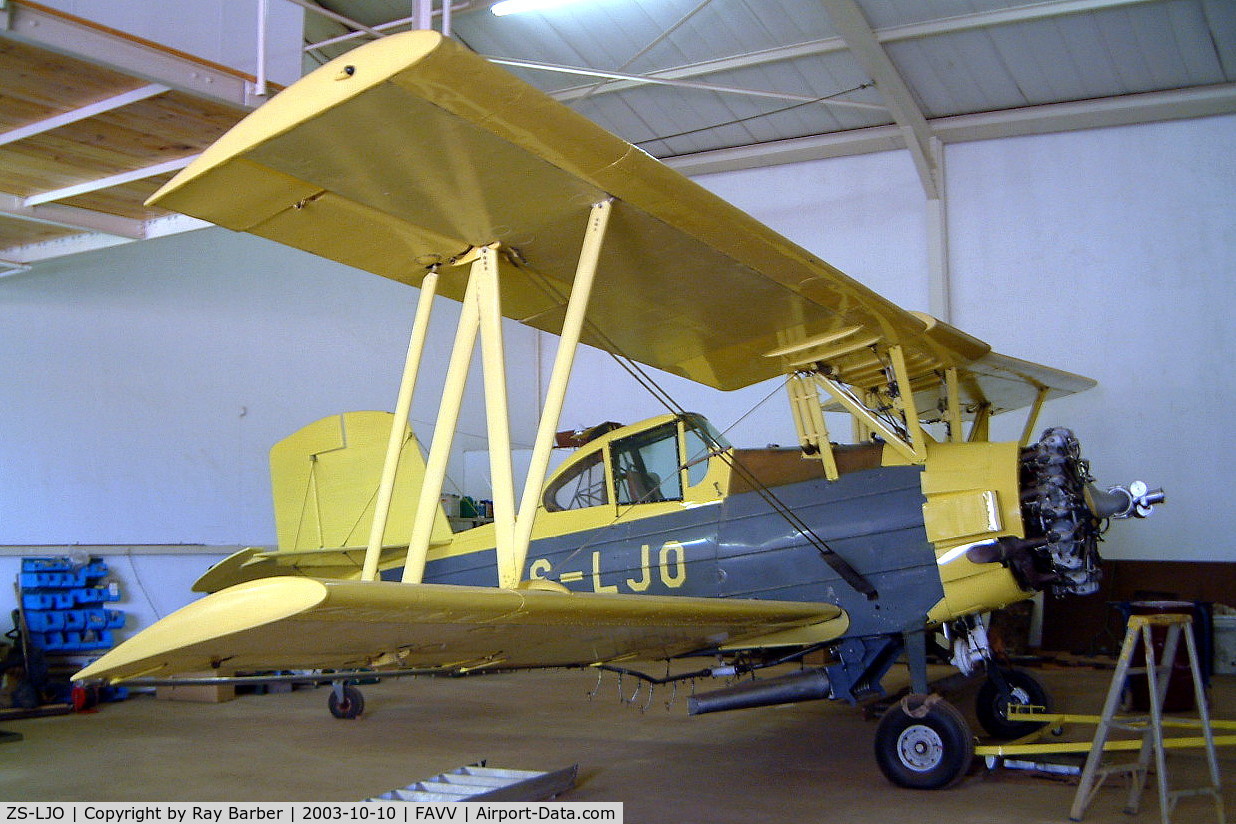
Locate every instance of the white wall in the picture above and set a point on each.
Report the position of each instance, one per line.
(1110, 252)
(145, 384)
(1113, 253)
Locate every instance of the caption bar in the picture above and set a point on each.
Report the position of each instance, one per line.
(377, 812)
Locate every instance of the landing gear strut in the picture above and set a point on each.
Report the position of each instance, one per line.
(1004, 685)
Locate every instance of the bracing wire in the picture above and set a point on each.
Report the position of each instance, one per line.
(633, 368)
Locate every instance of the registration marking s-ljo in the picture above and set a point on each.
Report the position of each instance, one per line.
(671, 570)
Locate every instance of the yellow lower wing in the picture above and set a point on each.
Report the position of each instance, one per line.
(306, 623)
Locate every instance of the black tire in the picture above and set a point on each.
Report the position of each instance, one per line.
(930, 752)
(991, 704)
(350, 706)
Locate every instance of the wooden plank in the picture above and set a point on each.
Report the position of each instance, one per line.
(39, 84)
(46, 83)
(15, 232)
(125, 201)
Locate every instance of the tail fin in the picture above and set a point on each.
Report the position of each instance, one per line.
(325, 483)
(325, 479)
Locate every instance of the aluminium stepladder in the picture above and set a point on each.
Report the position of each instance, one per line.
(1149, 727)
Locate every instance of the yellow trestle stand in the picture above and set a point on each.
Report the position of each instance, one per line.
(1150, 727)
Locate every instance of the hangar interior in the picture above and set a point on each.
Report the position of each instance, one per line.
(1055, 178)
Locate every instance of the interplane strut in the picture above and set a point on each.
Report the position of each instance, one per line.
(482, 316)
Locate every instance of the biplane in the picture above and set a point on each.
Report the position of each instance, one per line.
(419, 161)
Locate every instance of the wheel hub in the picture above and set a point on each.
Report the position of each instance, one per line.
(920, 748)
(1017, 696)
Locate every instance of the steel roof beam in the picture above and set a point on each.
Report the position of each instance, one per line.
(1125, 110)
(1001, 17)
(893, 34)
(343, 20)
(853, 27)
(12, 267)
(619, 79)
(70, 217)
(613, 81)
(126, 230)
(686, 84)
(59, 247)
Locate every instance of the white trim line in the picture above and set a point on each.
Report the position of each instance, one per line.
(109, 182)
(84, 112)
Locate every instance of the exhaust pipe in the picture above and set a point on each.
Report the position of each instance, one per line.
(807, 685)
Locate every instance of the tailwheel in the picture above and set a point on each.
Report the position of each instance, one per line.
(345, 701)
(924, 743)
(1009, 686)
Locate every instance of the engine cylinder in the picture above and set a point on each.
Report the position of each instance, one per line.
(1059, 519)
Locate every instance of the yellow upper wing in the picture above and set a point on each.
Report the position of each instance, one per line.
(304, 623)
(411, 150)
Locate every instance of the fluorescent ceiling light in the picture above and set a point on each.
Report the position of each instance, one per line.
(516, 6)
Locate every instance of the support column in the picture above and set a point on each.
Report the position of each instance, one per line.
(443, 437)
(905, 399)
(497, 417)
(564, 361)
(953, 389)
(809, 420)
(1032, 417)
(422, 11)
(403, 408)
(939, 276)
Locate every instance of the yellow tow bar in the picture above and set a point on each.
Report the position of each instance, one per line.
(1054, 722)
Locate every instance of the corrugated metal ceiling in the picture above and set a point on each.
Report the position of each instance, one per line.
(789, 73)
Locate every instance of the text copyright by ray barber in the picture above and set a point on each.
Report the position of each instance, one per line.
(395, 812)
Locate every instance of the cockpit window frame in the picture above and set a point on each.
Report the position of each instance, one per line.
(634, 481)
(692, 469)
(594, 462)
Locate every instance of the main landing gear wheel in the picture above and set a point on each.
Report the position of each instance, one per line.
(1004, 687)
(346, 701)
(924, 743)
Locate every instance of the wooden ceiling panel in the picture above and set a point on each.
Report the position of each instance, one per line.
(175, 120)
(25, 171)
(39, 83)
(19, 232)
(68, 126)
(124, 201)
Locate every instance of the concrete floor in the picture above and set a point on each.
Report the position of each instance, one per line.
(807, 762)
